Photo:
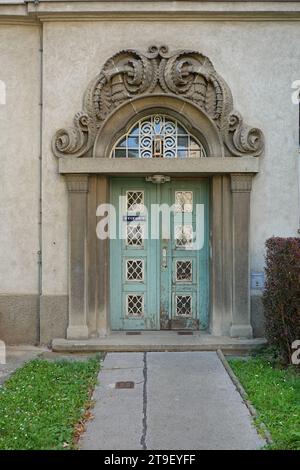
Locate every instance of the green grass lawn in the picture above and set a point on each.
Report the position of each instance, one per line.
(42, 402)
(275, 393)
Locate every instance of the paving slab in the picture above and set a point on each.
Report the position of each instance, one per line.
(118, 413)
(193, 404)
(183, 401)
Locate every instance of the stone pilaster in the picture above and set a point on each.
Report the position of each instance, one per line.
(78, 188)
(241, 188)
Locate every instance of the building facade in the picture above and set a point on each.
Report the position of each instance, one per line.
(124, 106)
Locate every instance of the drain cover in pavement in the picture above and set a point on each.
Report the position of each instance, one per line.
(127, 384)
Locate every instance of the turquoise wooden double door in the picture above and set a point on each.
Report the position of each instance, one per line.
(159, 256)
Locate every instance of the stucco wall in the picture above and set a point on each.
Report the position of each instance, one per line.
(259, 60)
(19, 183)
(19, 157)
(259, 64)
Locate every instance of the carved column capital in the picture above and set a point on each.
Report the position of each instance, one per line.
(77, 183)
(241, 183)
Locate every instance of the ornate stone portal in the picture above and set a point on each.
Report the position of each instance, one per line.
(185, 85)
(130, 74)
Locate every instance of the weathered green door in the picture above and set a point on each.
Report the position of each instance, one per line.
(159, 269)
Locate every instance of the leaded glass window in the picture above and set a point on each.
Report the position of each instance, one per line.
(158, 136)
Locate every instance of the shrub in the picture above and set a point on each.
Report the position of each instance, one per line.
(281, 297)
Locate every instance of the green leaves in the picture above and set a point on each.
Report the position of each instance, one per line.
(281, 297)
(275, 395)
(42, 402)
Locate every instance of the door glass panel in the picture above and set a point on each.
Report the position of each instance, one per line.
(184, 271)
(183, 201)
(135, 201)
(184, 236)
(134, 305)
(135, 270)
(135, 235)
(183, 305)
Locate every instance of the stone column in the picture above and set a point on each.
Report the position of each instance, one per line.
(221, 262)
(241, 188)
(78, 187)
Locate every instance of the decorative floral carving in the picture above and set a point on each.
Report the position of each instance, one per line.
(130, 73)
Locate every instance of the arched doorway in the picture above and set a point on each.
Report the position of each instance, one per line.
(99, 163)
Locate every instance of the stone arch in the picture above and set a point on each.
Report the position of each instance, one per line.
(130, 77)
(193, 118)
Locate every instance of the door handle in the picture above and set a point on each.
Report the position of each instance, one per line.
(164, 263)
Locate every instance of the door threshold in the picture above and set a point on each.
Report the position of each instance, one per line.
(158, 341)
(181, 332)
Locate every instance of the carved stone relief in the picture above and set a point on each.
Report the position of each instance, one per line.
(131, 73)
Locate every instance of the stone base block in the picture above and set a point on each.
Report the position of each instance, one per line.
(77, 332)
(19, 319)
(54, 317)
(241, 331)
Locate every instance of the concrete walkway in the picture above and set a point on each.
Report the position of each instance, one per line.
(179, 401)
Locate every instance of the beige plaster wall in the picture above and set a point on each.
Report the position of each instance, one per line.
(19, 159)
(259, 61)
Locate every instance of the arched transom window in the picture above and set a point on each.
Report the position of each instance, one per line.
(158, 136)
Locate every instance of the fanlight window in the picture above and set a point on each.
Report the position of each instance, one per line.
(158, 136)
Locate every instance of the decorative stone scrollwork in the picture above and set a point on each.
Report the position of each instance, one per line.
(75, 141)
(242, 139)
(130, 73)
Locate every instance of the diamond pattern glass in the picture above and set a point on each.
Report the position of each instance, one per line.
(184, 236)
(184, 270)
(135, 201)
(134, 270)
(134, 235)
(134, 305)
(184, 201)
(183, 305)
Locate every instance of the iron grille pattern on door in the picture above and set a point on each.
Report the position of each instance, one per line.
(135, 201)
(184, 235)
(184, 270)
(183, 201)
(134, 270)
(134, 235)
(134, 305)
(183, 305)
